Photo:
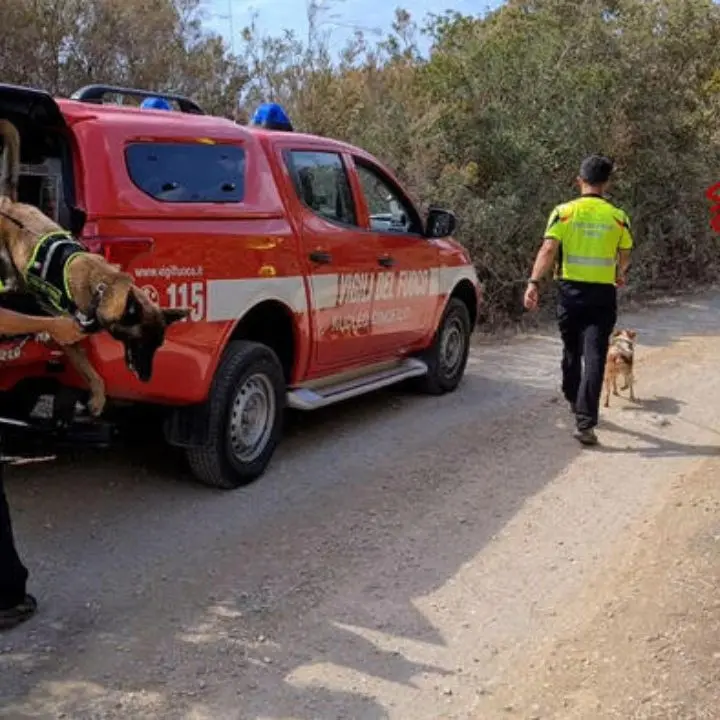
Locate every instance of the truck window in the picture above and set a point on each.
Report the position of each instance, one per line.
(322, 184)
(389, 211)
(188, 172)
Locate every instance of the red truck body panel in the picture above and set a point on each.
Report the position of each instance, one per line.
(222, 259)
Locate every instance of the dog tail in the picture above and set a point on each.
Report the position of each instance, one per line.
(10, 175)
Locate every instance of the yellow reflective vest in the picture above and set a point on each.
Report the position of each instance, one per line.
(590, 231)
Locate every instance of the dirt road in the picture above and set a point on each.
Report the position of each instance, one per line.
(408, 558)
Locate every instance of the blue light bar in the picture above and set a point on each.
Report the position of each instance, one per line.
(155, 103)
(272, 116)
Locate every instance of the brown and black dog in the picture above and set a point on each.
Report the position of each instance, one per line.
(620, 363)
(33, 248)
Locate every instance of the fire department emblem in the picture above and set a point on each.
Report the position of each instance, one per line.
(152, 293)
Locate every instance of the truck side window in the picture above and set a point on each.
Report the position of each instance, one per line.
(188, 172)
(389, 211)
(322, 184)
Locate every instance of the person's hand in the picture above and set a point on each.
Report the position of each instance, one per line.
(532, 297)
(64, 330)
(620, 281)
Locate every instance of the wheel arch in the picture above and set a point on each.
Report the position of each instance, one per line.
(273, 323)
(270, 322)
(465, 291)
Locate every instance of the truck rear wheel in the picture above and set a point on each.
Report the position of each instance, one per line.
(246, 406)
(447, 357)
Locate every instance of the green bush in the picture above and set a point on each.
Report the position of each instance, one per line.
(493, 123)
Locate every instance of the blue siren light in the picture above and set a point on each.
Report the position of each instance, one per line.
(272, 116)
(155, 103)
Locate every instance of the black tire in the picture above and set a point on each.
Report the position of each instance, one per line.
(216, 464)
(444, 376)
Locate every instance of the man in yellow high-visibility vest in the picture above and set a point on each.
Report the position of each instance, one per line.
(588, 240)
(16, 605)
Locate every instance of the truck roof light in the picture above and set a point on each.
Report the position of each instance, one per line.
(155, 103)
(272, 116)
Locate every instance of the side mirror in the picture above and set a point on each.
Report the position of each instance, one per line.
(440, 223)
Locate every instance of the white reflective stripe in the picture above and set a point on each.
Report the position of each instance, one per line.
(323, 290)
(589, 261)
(230, 299)
(449, 277)
(49, 257)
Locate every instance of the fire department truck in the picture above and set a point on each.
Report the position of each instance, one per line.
(310, 274)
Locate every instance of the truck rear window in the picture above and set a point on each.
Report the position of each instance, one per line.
(188, 172)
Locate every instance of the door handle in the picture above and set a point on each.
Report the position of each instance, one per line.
(320, 256)
(386, 261)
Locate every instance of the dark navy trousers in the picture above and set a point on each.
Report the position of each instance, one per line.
(13, 574)
(586, 313)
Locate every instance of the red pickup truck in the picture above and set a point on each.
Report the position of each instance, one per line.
(310, 274)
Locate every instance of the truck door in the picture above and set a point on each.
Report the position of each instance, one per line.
(408, 285)
(341, 260)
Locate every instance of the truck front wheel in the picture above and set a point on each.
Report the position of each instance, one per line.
(447, 357)
(245, 416)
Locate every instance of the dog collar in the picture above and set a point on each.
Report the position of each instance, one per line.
(90, 321)
(623, 347)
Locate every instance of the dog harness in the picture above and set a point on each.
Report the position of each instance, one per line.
(47, 277)
(46, 272)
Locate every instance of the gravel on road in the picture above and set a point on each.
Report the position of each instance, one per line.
(404, 557)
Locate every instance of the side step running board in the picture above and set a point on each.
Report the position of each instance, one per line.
(314, 398)
(43, 437)
(12, 422)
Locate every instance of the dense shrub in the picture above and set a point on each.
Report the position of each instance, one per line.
(493, 123)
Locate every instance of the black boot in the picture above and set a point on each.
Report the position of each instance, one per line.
(18, 614)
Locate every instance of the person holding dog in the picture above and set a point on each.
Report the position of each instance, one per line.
(588, 240)
(16, 605)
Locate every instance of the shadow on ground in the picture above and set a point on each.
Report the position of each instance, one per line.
(657, 406)
(165, 599)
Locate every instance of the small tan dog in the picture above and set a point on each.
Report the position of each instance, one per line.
(40, 258)
(620, 363)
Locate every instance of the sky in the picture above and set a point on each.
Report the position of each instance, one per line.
(274, 16)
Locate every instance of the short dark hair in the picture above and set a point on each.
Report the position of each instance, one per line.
(596, 169)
